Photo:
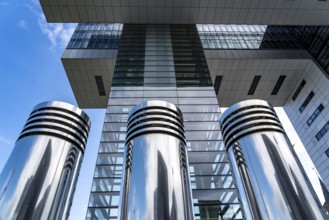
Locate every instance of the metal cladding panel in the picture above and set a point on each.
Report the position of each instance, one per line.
(268, 174)
(82, 67)
(280, 12)
(38, 180)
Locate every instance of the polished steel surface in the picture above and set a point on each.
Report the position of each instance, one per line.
(39, 178)
(269, 178)
(156, 181)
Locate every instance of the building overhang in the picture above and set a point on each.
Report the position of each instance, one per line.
(90, 74)
(237, 70)
(269, 12)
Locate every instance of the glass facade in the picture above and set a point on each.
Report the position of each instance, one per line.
(306, 102)
(322, 132)
(315, 39)
(246, 37)
(315, 114)
(299, 89)
(165, 62)
(96, 36)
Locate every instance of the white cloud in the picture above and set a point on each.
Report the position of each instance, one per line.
(58, 34)
(4, 140)
(23, 24)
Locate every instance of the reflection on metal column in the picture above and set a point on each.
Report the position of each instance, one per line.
(270, 180)
(156, 182)
(39, 178)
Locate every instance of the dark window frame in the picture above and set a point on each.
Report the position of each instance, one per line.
(315, 114)
(322, 132)
(306, 102)
(218, 82)
(299, 89)
(278, 85)
(327, 152)
(254, 84)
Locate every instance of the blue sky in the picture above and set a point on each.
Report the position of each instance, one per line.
(31, 72)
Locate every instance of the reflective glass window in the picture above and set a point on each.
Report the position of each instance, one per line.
(108, 171)
(118, 109)
(171, 100)
(193, 93)
(207, 157)
(113, 136)
(102, 213)
(106, 184)
(126, 94)
(202, 145)
(222, 195)
(209, 169)
(203, 135)
(111, 147)
(104, 199)
(211, 182)
(210, 211)
(201, 117)
(115, 126)
(110, 158)
(161, 93)
(190, 126)
(315, 114)
(199, 108)
(116, 117)
(322, 132)
(125, 101)
(306, 102)
(199, 101)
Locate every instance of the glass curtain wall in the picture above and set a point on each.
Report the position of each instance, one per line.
(314, 39)
(165, 62)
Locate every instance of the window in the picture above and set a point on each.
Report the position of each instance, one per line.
(100, 85)
(322, 132)
(218, 81)
(315, 115)
(254, 85)
(327, 152)
(300, 87)
(278, 85)
(307, 100)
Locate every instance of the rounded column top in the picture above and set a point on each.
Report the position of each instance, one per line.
(248, 117)
(66, 106)
(59, 119)
(155, 116)
(155, 103)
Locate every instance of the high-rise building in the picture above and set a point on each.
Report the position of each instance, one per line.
(271, 50)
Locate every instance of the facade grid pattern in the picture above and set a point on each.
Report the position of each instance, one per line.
(96, 36)
(157, 59)
(213, 190)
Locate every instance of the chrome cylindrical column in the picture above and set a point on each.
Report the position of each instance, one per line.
(39, 178)
(156, 182)
(269, 179)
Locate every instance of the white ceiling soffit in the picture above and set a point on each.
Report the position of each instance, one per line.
(236, 70)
